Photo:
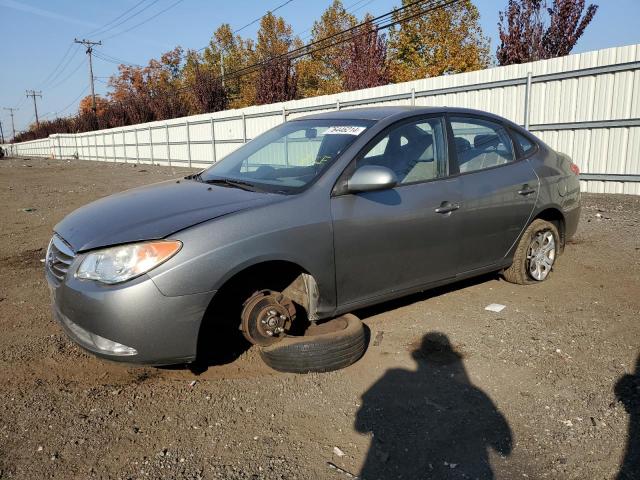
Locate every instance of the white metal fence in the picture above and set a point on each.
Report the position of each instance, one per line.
(585, 105)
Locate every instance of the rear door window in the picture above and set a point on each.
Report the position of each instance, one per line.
(480, 143)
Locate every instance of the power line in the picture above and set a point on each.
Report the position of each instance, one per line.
(74, 100)
(145, 21)
(377, 22)
(68, 76)
(252, 22)
(64, 57)
(56, 77)
(260, 18)
(103, 29)
(115, 60)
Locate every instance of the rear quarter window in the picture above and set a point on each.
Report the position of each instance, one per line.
(526, 145)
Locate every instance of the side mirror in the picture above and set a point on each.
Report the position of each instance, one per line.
(369, 178)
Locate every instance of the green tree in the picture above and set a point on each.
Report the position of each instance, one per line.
(277, 77)
(442, 41)
(228, 53)
(321, 72)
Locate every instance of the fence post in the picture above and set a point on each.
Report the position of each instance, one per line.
(95, 145)
(244, 128)
(124, 146)
(337, 104)
(75, 142)
(166, 137)
(150, 145)
(413, 97)
(186, 124)
(527, 101)
(104, 145)
(135, 133)
(59, 147)
(113, 147)
(213, 140)
(284, 114)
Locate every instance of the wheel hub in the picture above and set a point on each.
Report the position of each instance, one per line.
(266, 317)
(541, 255)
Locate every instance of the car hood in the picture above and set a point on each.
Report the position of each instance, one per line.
(153, 212)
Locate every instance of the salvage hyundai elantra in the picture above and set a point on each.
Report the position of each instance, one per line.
(313, 219)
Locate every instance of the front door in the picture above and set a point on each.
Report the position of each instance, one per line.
(391, 241)
(499, 191)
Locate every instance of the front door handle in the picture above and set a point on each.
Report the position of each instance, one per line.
(447, 207)
(526, 190)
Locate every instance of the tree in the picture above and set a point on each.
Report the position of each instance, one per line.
(365, 62)
(530, 31)
(321, 73)
(277, 79)
(203, 86)
(86, 105)
(228, 53)
(442, 41)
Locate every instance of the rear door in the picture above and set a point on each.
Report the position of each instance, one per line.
(389, 241)
(499, 192)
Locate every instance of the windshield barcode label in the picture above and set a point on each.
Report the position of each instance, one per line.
(344, 130)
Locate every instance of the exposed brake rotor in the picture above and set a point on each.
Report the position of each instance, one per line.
(267, 317)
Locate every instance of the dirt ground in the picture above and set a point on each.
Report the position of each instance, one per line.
(446, 389)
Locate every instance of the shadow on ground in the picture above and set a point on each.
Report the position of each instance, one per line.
(432, 422)
(627, 391)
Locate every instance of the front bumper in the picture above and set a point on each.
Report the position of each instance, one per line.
(158, 330)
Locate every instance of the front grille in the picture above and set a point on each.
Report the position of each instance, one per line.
(60, 256)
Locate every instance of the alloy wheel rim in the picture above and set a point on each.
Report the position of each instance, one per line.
(541, 255)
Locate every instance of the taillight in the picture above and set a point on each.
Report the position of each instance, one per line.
(574, 168)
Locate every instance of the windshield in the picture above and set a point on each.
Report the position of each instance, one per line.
(287, 158)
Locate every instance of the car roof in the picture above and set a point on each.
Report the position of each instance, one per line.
(379, 113)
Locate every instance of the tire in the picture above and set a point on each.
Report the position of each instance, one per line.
(322, 352)
(519, 271)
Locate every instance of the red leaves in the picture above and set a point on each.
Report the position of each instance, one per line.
(524, 37)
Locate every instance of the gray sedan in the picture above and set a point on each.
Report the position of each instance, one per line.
(315, 218)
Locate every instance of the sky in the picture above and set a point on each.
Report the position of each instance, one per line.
(38, 50)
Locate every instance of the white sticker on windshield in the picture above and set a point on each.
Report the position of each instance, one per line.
(344, 130)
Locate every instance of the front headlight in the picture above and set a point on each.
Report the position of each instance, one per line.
(118, 264)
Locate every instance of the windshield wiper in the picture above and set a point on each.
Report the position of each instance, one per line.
(250, 187)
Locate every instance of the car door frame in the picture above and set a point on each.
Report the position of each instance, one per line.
(519, 157)
(340, 189)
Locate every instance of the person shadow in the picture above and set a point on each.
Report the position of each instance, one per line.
(627, 391)
(431, 422)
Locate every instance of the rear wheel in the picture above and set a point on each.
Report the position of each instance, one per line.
(535, 254)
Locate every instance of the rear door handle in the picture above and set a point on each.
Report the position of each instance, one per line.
(526, 190)
(447, 207)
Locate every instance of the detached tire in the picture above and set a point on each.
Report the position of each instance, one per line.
(535, 255)
(322, 352)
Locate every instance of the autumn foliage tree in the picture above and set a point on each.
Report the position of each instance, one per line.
(442, 41)
(529, 30)
(347, 53)
(322, 72)
(364, 64)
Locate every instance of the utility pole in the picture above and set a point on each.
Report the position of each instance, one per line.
(33, 94)
(1, 134)
(89, 44)
(13, 126)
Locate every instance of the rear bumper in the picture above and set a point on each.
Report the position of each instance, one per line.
(157, 329)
